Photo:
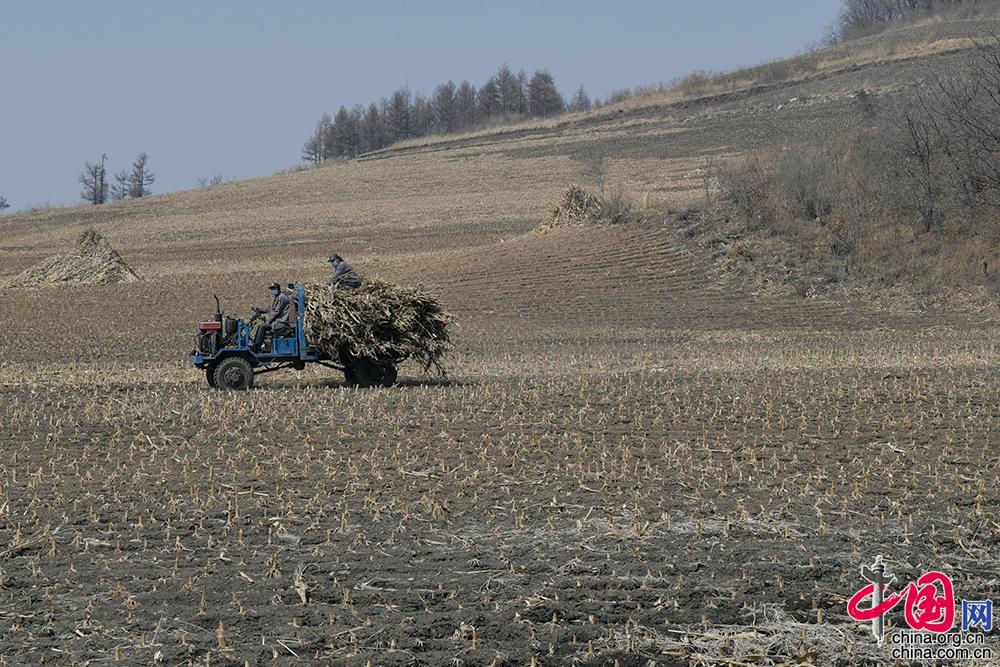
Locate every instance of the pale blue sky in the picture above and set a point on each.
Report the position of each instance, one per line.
(234, 88)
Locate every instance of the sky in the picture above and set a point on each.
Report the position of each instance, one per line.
(234, 87)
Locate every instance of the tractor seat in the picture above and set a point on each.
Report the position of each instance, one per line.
(283, 329)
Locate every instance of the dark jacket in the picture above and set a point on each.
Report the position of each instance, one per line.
(343, 274)
(280, 310)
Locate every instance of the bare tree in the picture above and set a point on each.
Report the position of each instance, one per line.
(141, 177)
(3, 204)
(959, 121)
(120, 188)
(95, 182)
(861, 17)
(215, 179)
(313, 150)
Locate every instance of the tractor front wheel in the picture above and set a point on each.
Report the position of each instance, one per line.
(210, 376)
(234, 373)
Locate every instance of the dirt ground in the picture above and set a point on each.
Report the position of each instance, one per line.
(570, 494)
(631, 461)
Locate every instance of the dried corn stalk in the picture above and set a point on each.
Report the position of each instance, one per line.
(92, 262)
(380, 321)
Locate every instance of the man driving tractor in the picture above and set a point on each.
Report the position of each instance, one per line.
(343, 274)
(278, 316)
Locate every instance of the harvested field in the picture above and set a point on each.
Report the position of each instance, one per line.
(631, 459)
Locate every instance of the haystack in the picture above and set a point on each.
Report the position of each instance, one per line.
(580, 208)
(379, 320)
(92, 262)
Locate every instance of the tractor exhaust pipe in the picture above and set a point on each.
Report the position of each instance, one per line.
(218, 309)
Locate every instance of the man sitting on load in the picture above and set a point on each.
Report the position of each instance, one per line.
(278, 317)
(343, 274)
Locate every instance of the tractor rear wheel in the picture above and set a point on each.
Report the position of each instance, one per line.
(234, 373)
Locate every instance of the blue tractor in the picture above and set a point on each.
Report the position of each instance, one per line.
(224, 351)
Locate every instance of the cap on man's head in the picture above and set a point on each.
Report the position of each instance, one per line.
(275, 286)
(335, 258)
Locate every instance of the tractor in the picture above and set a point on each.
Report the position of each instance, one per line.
(224, 351)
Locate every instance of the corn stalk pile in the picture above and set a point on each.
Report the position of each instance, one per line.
(92, 262)
(379, 320)
(578, 207)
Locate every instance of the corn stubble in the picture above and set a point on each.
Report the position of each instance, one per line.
(712, 513)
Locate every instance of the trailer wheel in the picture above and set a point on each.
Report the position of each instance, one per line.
(389, 375)
(234, 373)
(369, 373)
(210, 376)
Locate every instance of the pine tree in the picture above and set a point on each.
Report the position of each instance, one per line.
(522, 84)
(444, 106)
(581, 102)
(372, 135)
(543, 97)
(488, 103)
(345, 133)
(3, 204)
(421, 116)
(509, 90)
(397, 115)
(95, 182)
(465, 105)
(327, 138)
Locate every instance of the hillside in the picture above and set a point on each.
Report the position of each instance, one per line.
(438, 211)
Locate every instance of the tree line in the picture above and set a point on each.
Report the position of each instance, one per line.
(864, 17)
(130, 183)
(505, 96)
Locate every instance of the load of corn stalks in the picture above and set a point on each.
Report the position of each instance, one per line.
(92, 262)
(380, 320)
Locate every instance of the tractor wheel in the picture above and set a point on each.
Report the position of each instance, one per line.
(234, 373)
(210, 376)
